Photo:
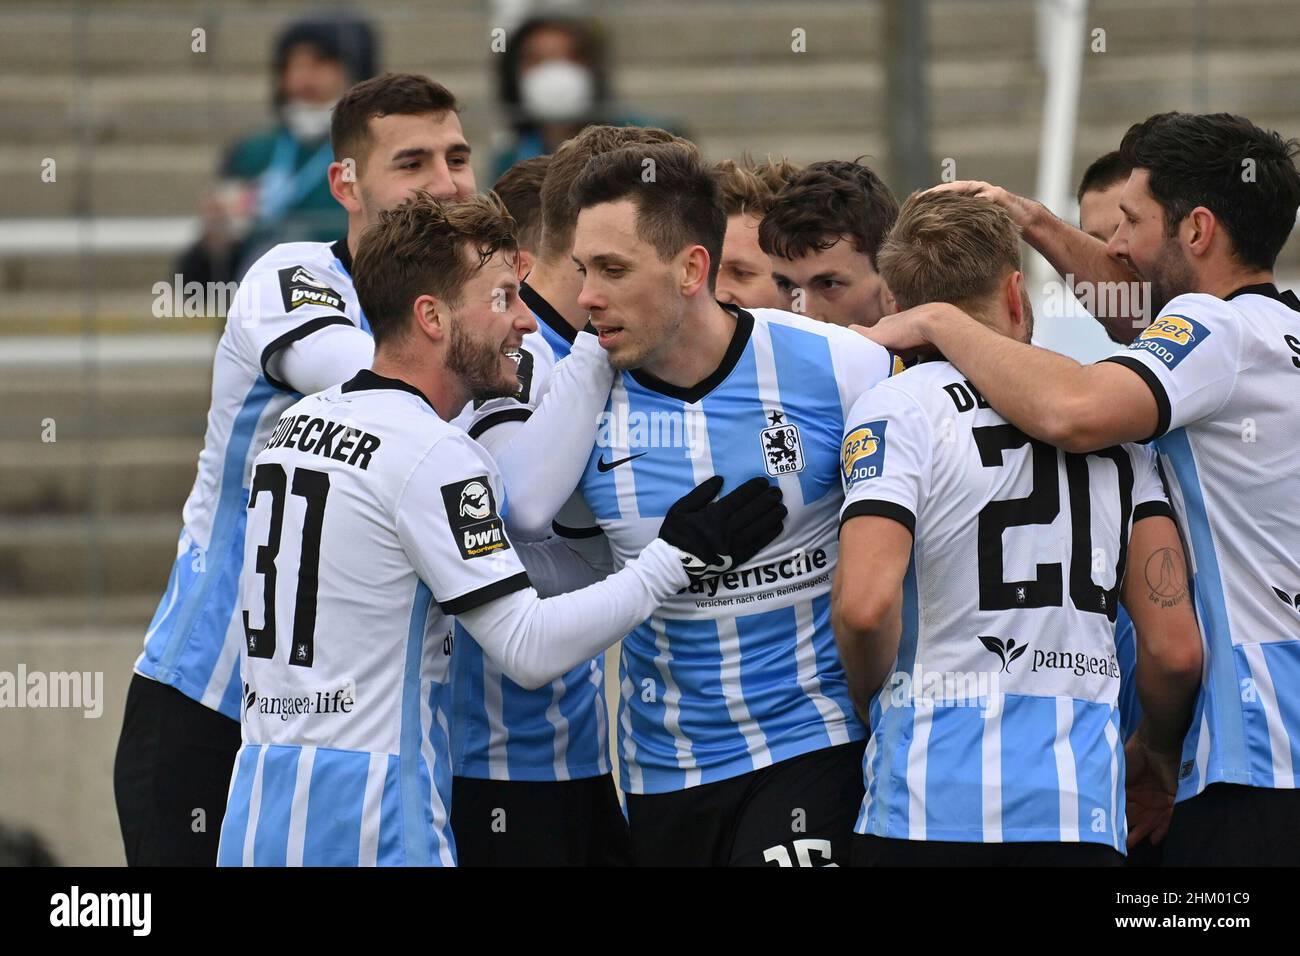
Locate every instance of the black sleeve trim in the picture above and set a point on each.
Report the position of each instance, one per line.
(880, 509)
(486, 594)
(564, 531)
(1157, 390)
(1153, 509)
(293, 335)
(493, 419)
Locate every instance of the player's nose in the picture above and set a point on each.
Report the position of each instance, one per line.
(589, 299)
(440, 183)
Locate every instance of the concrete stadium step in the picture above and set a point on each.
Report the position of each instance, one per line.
(132, 610)
(153, 387)
(120, 476)
(445, 35)
(51, 555)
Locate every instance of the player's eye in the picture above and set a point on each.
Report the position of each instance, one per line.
(614, 272)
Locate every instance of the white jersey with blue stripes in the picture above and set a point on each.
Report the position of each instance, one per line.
(293, 291)
(1000, 721)
(1226, 377)
(371, 522)
(740, 670)
(502, 731)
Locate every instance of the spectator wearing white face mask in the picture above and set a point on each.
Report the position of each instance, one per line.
(272, 186)
(552, 82)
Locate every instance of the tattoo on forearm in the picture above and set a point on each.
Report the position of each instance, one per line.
(1166, 576)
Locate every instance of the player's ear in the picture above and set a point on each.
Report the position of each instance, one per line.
(1198, 230)
(431, 317)
(1015, 302)
(695, 271)
(343, 185)
(888, 304)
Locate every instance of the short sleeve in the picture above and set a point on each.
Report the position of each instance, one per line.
(1150, 496)
(1189, 358)
(449, 520)
(859, 365)
(277, 306)
(886, 457)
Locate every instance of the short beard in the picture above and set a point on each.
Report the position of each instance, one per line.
(1170, 276)
(477, 365)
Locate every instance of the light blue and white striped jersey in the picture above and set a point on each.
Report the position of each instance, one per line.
(740, 670)
(1130, 706)
(295, 290)
(502, 731)
(1226, 378)
(1000, 720)
(371, 522)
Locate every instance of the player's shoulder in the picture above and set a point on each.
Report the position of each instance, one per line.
(297, 275)
(851, 352)
(927, 384)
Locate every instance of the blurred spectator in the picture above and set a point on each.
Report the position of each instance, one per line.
(272, 187)
(22, 847)
(552, 81)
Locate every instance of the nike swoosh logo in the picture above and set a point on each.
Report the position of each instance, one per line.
(603, 466)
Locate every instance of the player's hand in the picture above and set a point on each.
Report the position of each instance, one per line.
(1151, 782)
(1020, 209)
(716, 536)
(903, 332)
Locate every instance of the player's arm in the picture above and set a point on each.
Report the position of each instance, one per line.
(545, 457)
(555, 567)
(885, 460)
(1049, 396)
(301, 345)
(449, 525)
(867, 602)
(1169, 656)
(1156, 596)
(1072, 253)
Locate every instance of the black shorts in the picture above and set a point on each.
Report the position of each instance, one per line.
(884, 851)
(1228, 824)
(538, 823)
(799, 812)
(171, 776)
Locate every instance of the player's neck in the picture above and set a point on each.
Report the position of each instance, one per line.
(559, 284)
(443, 391)
(1229, 280)
(697, 353)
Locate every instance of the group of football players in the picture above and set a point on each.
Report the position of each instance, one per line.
(892, 585)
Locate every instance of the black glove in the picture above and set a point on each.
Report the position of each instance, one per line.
(715, 536)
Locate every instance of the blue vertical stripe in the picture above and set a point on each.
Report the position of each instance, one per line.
(1029, 769)
(768, 668)
(954, 797)
(334, 808)
(415, 797)
(662, 474)
(1282, 658)
(1092, 757)
(803, 363)
(1227, 724)
(894, 729)
(234, 826)
(216, 590)
(279, 781)
(735, 420)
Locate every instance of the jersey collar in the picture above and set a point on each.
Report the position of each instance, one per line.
(343, 254)
(1268, 289)
(366, 380)
(547, 313)
(739, 339)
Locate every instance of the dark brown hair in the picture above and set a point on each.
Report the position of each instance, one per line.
(825, 202)
(559, 215)
(403, 94)
(426, 246)
(678, 200)
(520, 188)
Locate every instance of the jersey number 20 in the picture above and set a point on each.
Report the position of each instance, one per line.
(1041, 507)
